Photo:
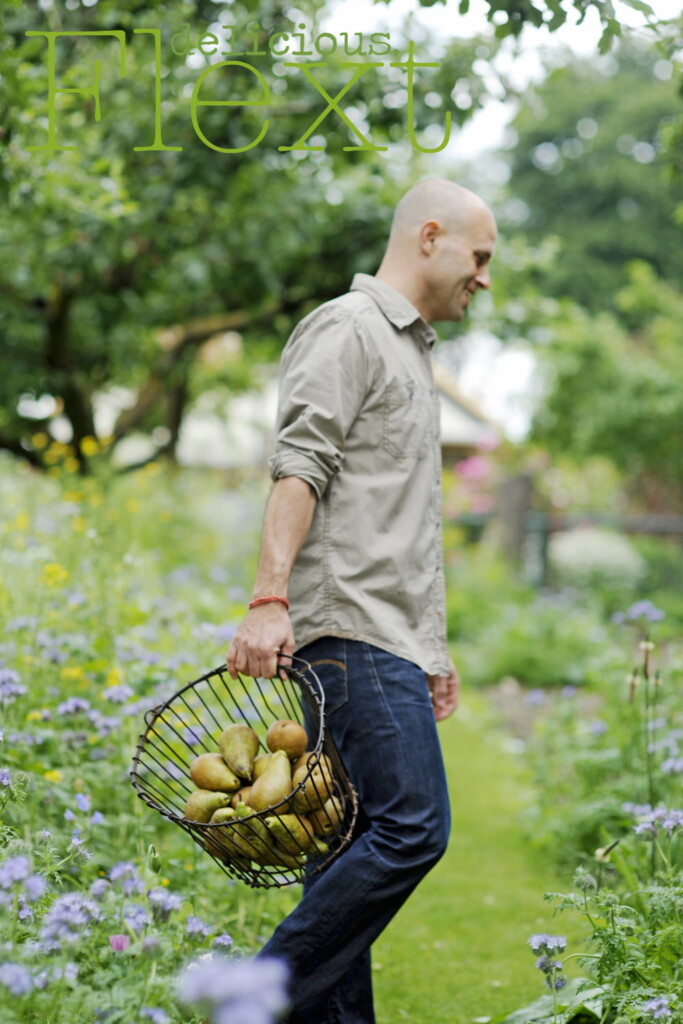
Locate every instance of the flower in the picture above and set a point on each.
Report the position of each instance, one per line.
(547, 943)
(14, 869)
(224, 940)
(155, 1015)
(76, 846)
(237, 990)
(136, 917)
(73, 705)
(163, 902)
(5, 777)
(83, 801)
(67, 920)
(195, 926)
(10, 687)
(126, 873)
(16, 979)
(119, 942)
(658, 1008)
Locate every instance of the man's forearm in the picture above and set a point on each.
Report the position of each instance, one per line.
(287, 520)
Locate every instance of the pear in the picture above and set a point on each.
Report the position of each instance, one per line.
(260, 765)
(241, 796)
(254, 840)
(201, 804)
(327, 820)
(310, 760)
(239, 745)
(209, 771)
(295, 834)
(288, 736)
(316, 788)
(218, 841)
(274, 785)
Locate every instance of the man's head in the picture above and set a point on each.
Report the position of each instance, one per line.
(442, 240)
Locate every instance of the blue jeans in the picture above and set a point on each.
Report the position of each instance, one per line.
(380, 716)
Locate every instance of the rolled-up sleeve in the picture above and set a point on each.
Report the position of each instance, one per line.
(325, 375)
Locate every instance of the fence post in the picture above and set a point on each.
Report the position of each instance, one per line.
(513, 506)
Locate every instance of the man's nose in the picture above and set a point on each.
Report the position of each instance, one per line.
(483, 278)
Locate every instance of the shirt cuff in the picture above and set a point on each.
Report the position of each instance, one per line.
(301, 464)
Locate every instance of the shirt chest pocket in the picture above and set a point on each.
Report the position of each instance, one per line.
(406, 420)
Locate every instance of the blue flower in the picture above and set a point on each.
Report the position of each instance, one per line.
(163, 902)
(658, 1008)
(5, 777)
(67, 919)
(136, 917)
(547, 943)
(34, 887)
(15, 869)
(195, 926)
(242, 990)
(10, 687)
(118, 694)
(16, 979)
(223, 940)
(126, 873)
(155, 1015)
(83, 801)
(73, 706)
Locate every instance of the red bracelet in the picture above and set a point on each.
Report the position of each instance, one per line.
(268, 600)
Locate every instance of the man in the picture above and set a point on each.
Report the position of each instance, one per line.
(352, 542)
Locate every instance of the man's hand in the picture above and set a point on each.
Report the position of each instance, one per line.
(445, 691)
(263, 635)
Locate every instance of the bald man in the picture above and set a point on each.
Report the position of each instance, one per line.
(350, 577)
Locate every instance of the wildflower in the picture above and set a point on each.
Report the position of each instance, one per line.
(119, 943)
(10, 687)
(34, 887)
(136, 917)
(5, 777)
(83, 801)
(658, 1008)
(16, 979)
(99, 888)
(14, 869)
(73, 705)
(163, 902)
(671, 766)
(195, 926)
(155, 1015)
(548, 943)
(97, 818)
(54, 775)
(252, 990)
(126, 873)
(44, 835)
(598, 727)
(67, 920)
(223, 940)
(76, 847)
(118, 694)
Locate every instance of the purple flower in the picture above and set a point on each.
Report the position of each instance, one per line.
(245, 990)
(118, 694)
(97, 818)
(195, 926)
(119, 943)
(136, 917)
(126, 873)
(34, 887)
(67, 920)
(16, 979)
(547, 943)
(155, 1015)
(163, 902)
(73, 706)
(5, 777)
(10, 687)
(672, 766)
(99, 888)
(658, 1008)
(15, 869)
(598, 727)
(83, 801)
(44, 835)
(223, 940)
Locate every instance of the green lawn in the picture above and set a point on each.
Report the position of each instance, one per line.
(458, 950)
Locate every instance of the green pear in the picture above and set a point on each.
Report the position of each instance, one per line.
(218, 841)
(254, 840)
(295, 834)
(327, 820)
(209, 771)
(201, 804)
(239, 745)
(274, 785)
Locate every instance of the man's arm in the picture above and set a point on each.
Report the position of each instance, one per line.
(445, 691)
(267, 630)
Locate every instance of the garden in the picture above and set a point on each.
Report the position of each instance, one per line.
(159, 256)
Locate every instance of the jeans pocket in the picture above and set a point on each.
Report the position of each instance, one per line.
(334, 681)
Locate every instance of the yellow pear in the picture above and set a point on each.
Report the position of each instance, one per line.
(241, 796)
(327, 820)
(218, 841)
(260, 765)
(209, 771)
(310, 760)
(201, 804)
(288, 736)
(316, 788)
(239, 745)
(274, 784)
(295, 834)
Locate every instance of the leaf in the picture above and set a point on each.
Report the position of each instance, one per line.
(575, 1003)
(640, 5)
(464, 6)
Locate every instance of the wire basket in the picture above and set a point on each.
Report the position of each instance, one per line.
(296, 836)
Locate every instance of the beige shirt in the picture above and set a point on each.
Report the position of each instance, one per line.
(358, 419)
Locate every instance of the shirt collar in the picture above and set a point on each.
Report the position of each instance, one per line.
(395, 306)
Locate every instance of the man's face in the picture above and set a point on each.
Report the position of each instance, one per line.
(459, 265)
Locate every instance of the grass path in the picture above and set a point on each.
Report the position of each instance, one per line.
(458, 949)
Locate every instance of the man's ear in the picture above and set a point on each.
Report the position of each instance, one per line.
(429, 232)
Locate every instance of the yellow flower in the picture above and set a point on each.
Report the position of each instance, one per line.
(78, 524)
(34, 716)
(21, 522)
(90, 445)
(54, 575)
(75, 496)
(40, 440)
(71, 674)
(95, 500)
(132, 505)
(114, 677)
(53, 775)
